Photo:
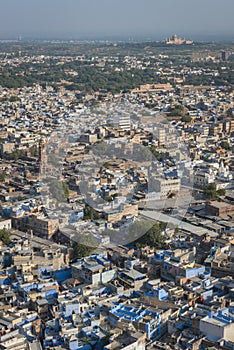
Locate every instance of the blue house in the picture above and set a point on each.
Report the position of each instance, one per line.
(141, 318)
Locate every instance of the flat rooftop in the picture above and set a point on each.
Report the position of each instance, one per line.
(195, 230)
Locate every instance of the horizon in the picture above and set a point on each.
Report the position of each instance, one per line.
(79, 20)
(115, 38)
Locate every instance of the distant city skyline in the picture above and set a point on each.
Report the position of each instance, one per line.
(109, 19)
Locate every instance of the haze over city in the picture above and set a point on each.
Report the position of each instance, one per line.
(78, 19)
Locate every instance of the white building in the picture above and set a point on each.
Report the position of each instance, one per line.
(167, 186)
(202, 178)
(121, 122)
(220, 175)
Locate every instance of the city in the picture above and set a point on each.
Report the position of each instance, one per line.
(116, 194)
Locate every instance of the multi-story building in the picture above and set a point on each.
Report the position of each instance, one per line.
(176, 271)
(216, 129)
(202, 178)
(95, 270)
(219, 325)
(167, 186)
(142, 318)
(122, 122)
(5, 224)
(41, 226)
(160, 135)
(88, 138)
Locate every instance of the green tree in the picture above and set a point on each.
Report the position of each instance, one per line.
(221, 192)
(146, 233)
(89, 213)
(186, 119)
(211, 192)
(156, 154)
(17, 154)
(65, 189)
(154, 237)
(2, 176)
(177, 111)
(5, 237)
(80, 250)
(14, 98)
(108, 198)
(53, 159)
(142, 153)
(83, 246)
(34, 151)
(225, 145)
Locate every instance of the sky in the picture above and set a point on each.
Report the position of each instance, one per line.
(81, 19)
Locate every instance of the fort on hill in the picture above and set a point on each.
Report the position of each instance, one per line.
(175, 40)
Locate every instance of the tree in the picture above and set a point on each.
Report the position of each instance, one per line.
(53, 159)
(212, 193)
(89, 213)
(2, 176)
(221, 192)
(5, 237)
(108, 199)
(177, 111)
(225, 145)
(156, 153)
(186, 119)
(145, 233)
(14, 98)
(154, 237)
(65, 189)
(17, 154)
(34, 151)
(80, 250)
(84, 246)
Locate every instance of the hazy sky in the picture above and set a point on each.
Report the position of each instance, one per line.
(97, 18)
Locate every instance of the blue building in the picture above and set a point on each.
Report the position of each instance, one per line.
(142, 318)
(158, 293)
